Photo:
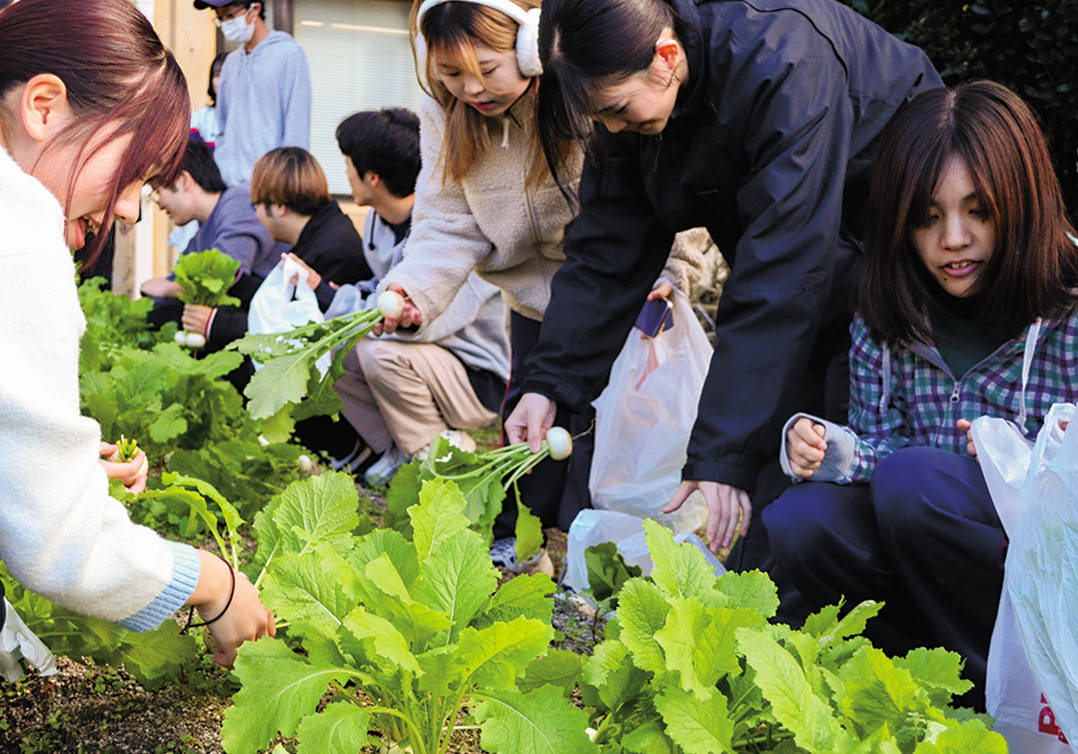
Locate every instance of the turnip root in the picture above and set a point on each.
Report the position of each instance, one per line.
(560, 443)
(391, 304)
(190, 339)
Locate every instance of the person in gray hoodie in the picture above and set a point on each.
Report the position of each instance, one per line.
(401, 391)
(264, 100)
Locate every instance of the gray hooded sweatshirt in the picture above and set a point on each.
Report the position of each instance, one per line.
(264, 102)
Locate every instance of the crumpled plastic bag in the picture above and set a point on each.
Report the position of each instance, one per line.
(1032, 685)
(280, 306)
(593, 527)
(643, 419)
(18, 644)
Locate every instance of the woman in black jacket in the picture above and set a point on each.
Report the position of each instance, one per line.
(759, 121)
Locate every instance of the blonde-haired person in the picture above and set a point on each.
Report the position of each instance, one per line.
(486, 202)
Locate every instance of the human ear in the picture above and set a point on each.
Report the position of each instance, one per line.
(668, 51)
(43, 107)
(372, 179)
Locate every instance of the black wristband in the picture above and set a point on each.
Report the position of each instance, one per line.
(231, 593)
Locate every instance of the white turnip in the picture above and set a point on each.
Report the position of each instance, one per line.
(391, 304)
(560, 443)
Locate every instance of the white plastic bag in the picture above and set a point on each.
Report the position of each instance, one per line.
(643, 419)
(18, 644)
(594, 527)
(280, 306)
(1032, 684)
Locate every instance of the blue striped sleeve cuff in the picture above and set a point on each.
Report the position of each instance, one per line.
(185, 570)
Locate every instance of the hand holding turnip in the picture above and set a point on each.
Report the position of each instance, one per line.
(124, 461)
(531, 420)
(196, 322)
(398, 310)
(726, 506)
(805, 447)
(244, 618)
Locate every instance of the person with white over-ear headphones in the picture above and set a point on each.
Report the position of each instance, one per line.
(486, 202)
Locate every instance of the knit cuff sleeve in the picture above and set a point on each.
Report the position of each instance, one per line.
(185, 571)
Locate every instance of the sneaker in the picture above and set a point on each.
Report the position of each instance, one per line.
(456, 437)
(354, 460)
(504, 552)
(382, 470)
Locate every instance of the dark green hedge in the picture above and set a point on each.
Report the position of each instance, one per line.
(1032, 47)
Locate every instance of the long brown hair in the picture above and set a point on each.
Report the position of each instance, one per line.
(1034, 264)
(450, 31)
(116, 72)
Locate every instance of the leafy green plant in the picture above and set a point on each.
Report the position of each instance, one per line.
(153, 657)
(691, 664)
(607, 574)
(290, 381)
(483, 477)
(204, 278)
(398, 637)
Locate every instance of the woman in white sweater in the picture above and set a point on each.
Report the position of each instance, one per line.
(485, 202)
(91, 107)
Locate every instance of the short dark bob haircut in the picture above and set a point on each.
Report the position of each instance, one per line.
(1034, 264)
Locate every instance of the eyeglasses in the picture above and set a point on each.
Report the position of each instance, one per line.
(229, 15)
(155, 194)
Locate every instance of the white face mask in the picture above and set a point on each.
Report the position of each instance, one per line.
(238, 30)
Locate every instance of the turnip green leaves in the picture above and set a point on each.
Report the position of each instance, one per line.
(402, 634)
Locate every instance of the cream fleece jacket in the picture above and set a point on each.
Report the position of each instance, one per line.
(491, 222)
(61, 535)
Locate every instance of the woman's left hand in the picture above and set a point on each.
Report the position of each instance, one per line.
(725, 506)
(132, 473)
(662, 289)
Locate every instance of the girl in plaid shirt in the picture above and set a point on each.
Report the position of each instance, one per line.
(966, 308)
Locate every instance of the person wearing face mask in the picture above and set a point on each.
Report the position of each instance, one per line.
(264, 98)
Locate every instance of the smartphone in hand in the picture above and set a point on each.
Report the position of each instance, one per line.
(654, 317)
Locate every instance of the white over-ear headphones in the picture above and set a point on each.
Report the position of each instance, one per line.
(527, 35)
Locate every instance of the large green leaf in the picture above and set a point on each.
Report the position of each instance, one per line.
(970, 737)
(439, 513)
(539, 722)
(938, 670)
(699, 643)
(793, 701)
(527, 596)
(642, 612)
(748, 589)
(558, 667)
(698, 726)
(279, 689)
(316, 589)
(374, 640)
(494, 656)
(680, 570)
(457, 577)
(340, 729)
(610, 676)
(877, 692)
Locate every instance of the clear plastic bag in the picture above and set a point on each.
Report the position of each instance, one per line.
(643, 419)
(1032, 684)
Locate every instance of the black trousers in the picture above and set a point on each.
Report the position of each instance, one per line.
(555, 491)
